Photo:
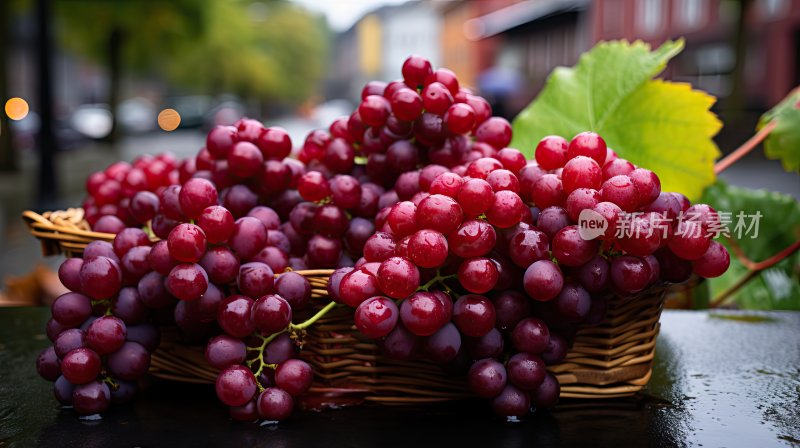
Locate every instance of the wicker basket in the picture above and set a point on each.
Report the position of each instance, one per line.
(611, 359)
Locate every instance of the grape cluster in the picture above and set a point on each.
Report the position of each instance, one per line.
(449, 245)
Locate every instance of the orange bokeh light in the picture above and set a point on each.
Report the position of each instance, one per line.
(17, 108)
(169, 119)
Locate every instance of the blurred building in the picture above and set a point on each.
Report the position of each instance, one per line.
(507, 48)
(771, 35)
(375, 47)
(535, 36)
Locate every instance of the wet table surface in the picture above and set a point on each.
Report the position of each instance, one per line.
(720, 380)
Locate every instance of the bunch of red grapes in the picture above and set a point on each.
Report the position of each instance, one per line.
(451, 247)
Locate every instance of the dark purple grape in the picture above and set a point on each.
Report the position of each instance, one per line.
(236, 385)
(80, 366)
(69, 340)
(71, 309)
(69, 274)
(487, 378)
(130, 362)
(531, 335)
(48, 365)
(223, 351)
(91, 398)
(275, 404)
(444, 345)
(546, 395)
(294, 376)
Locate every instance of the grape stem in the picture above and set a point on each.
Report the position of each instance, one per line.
(754, 267)
(292, 329)
(745, 149)
(111, 383)
(438, 278)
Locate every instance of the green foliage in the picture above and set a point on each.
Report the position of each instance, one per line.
(779, 286)
(783, 143)
(209, 47)
(664, 126)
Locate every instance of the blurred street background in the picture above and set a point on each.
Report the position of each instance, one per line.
(88, 82)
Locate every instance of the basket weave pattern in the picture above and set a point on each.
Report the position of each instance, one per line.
(611, 359)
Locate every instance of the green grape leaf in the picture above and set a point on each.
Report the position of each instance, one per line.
(663, 126)
(777, 287)
(783, 143)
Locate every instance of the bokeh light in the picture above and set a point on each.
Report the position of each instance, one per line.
(17, 108)
(169, 119)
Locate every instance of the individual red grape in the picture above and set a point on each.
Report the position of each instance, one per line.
(579, 200)
(101, 278)
(546, 395)
(478, 275)
(474, 238)
(415, 70)
(197, 194)
(588, 144)
(573, 303)
(551, 152)
(187, 281)
(398, 277)
(323, 251)
(81, 365)
(271, 314)
(506, 210)
(357, 286)
(593, 275)
(444, 345)
(294, 376)
(511, 403)
(223, 351)
(129, 238)
(274, 404)
(255, 280)
(423, 314)
(428, 248)
(234, 316)
(543, 280)
(274, 143)
(617, 167)
(217, 224)
(528, 246)
(648, 185)
(570, 249)
(220, 264)
(495, 131)
(69, 340)
(526, 371)
(629, 274)
(187, 243)
(530, 335)
(460, 118)
(474, 315)
(438, 212)
(236, 385)
(487, 378)
(248, 238)
(379, 247)
(374, 110)
(376, 317)
(91, 398)
(689, 241)
(548, 191)
(581, 172)
(475, 197)
(71, 309)
(714, 262)
(106, 335)
(244, 160)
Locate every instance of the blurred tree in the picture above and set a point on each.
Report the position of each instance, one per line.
(7, 156)
(128, 36)
(269, 50)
